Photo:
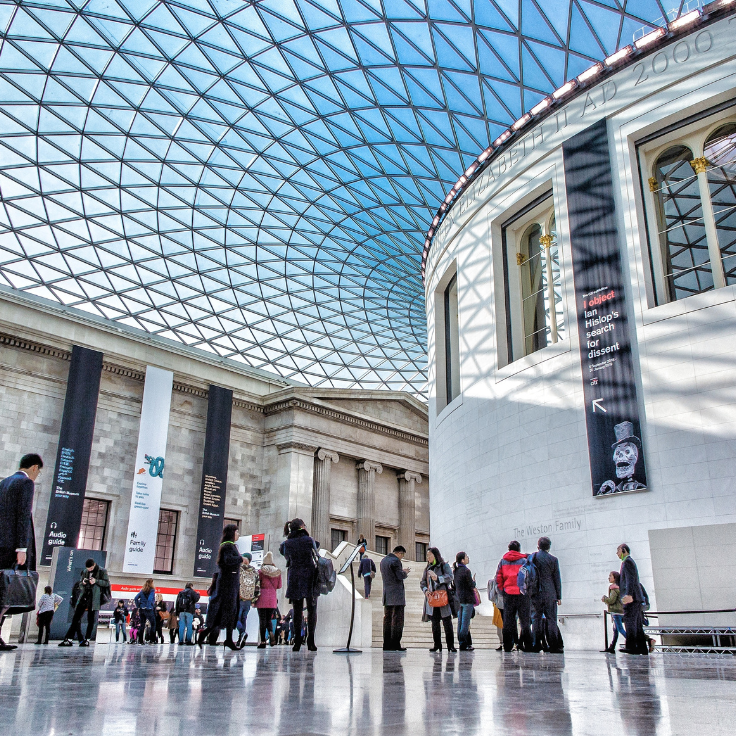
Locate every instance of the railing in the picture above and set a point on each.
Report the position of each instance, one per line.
(715, 632)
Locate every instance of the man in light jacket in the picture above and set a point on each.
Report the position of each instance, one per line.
(394, 599)
(17, 539)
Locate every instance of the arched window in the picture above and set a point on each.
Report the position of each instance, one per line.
(682, 236)
(556, 290)
(533, 288)
(720, 154)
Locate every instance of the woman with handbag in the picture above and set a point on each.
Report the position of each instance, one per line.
(300, 552)
(162, 617)
(467, 599)
(222, 611)
(435, 584)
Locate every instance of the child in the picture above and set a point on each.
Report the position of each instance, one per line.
(615, 608)
(47, 604)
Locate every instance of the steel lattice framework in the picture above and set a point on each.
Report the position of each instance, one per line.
(255, 178)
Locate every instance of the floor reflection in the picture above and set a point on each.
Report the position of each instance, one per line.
(169, 690)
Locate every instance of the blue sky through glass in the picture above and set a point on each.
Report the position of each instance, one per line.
(256, 179)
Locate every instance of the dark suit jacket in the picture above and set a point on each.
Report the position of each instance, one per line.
(550, 584)
(393, 575)
(629, 584)
(16, 521)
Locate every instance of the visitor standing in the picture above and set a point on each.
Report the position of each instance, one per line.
(94, 591)
(250, 587)
(172, 624)
(496, 598)
(17, 539)
(145, 602)
(186, 605)
(615, 608)
(162, 617)
(300, 552)
(394, 599)
(267, 604)
(367, 571)
(135, 624)
(437, 578)
(632, 599)
(119, 616)
(514, 603)
(223, 607)
(465, 592)
(47, 604)
(362, 545)
(546, 633)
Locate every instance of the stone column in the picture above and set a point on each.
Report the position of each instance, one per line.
(320, 528)
(407, 511)
(291, 494)
(366, 500)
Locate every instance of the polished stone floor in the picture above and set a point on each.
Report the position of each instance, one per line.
(166, 690)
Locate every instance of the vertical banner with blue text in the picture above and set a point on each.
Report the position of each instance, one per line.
(609, 384)
(75, 447)
(214, 480)
(145, 503)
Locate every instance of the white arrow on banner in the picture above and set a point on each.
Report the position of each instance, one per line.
(597, 405)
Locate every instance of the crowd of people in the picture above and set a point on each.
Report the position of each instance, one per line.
(526, 591)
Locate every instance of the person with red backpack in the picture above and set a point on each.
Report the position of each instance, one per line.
(515, 603)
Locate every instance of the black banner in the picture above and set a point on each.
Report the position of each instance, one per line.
(214, 480)
(609, 388)
(75, 447)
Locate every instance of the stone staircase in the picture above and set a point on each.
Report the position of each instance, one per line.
(417, 635)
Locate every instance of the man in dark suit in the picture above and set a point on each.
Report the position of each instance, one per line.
(17, 538)
(394, 599)
(633, 599)
(546, 632)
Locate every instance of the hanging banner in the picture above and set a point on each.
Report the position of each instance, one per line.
(145, 502)
(75, 447)
(214, 480)
(609, 387)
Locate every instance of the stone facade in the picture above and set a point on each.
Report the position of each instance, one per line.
(282, 435)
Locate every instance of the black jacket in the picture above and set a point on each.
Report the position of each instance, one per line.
(186, 601)
(16, 521)
(629, 584)
(298, 549)
(120, 614)
(550, 583)
(393, 575)
(225, 601)
(464, 585)
(366, 566)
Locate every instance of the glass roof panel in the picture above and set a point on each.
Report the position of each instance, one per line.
(255, 179)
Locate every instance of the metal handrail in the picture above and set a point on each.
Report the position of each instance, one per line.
(657, 614)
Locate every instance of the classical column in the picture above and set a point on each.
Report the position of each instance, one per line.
(366, 500)
(291, 494)
(700, 167)
(407, 511)
(320, 528)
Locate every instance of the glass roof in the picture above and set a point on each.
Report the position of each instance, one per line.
(255, 179)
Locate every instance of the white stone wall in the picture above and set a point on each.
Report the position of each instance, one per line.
(509, 457)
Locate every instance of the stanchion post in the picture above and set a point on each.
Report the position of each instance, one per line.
(347, 649)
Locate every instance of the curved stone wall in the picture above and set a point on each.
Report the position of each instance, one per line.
(509, 455)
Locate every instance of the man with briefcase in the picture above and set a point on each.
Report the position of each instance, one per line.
(17, 540)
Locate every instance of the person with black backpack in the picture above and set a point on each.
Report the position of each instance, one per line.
(93, 593)
(185, 607)
(302, 583)
(545, 599)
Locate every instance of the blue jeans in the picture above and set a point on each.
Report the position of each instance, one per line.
(185, 623)
(463, 623)
(120, 626)
(242, 616)
(618, 628)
